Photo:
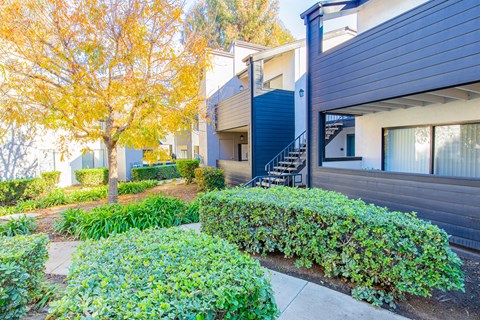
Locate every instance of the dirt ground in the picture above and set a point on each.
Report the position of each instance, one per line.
(452, 305)
(46, 221)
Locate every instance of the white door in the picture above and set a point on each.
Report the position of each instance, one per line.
(226, 150)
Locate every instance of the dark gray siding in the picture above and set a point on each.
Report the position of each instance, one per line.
(433, 46)
(273, 126)
(451, 203)
(233, 112)
(236, 172)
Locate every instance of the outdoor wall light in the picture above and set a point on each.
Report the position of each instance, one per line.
(241, 87)
(301, 93)
(242, 137)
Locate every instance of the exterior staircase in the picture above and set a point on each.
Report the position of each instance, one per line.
(284, 169)
(334, 124)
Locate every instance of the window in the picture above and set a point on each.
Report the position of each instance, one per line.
(339, 136)
(447, 150)
(408, 150)
(457, 150)
(94, 159)
(274, 83)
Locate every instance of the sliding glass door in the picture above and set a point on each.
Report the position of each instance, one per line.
(408, 150)
(455, 150)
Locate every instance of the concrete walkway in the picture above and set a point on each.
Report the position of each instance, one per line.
(297, 299)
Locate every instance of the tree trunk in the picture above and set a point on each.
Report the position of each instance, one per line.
(112, 172)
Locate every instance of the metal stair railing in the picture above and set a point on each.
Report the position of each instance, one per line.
(290, 180)
(295, 146)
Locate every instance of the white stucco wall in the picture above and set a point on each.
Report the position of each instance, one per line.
(375, 12)
(335, 41)
(338, 146)
(282, 65)
(368, 131)
(240, 52)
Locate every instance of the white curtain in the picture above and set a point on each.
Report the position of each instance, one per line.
(457, 150)
(408, 150)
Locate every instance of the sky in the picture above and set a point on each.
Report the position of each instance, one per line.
(290, 11)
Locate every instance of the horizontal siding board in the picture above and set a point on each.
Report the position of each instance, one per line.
(236, 172)
(403, 57)
(274, 125)
(380, 41)
(234, 112)
(404, 51)
(433, 201)
(431, 47)
(416, 195)
(457, 214)
(468, 56)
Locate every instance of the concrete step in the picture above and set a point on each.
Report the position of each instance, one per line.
(284, 168)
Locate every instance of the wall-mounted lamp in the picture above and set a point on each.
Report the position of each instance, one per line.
(241, 87)
(301, 93)
(242, 137)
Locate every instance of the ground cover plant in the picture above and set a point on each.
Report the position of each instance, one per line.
(165, 172)
(209, 179)
(60, 197)
(168, 274)
(22, 260)
(186, 168)
(154, 211)
(385, 254)
(20, 226)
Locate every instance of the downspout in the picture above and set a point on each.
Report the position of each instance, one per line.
(252, 117)
(310, 55)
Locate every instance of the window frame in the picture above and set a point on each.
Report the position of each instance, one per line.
(432, 143)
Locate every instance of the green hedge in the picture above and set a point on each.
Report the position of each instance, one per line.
(52, 178)
(22, 263)
(60, 197)
(186, 168)
(155, 173)
(385, 254)
(154, 211)
(209, 178)
(12, 191)
(165, 274)
(92, 177)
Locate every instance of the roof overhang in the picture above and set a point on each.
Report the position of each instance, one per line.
(271, 53)
(332, 9)
(442, 96)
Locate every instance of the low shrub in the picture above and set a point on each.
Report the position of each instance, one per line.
(102, 221)
(385, 254)
(136, 186)
(155, 173)
(186, 168)
(167, 172)
(209, 178)
(144, 173)
(92, 177)
(60, 197)
(160, 274)
(20, 226)
(12, 191)
(22, 263)
(52, 178)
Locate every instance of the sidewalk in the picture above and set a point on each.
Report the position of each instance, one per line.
(297, 299)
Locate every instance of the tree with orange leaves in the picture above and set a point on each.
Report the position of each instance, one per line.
(115, 70)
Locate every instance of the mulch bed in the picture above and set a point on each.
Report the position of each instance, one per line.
(452, 305)
(46, 221)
